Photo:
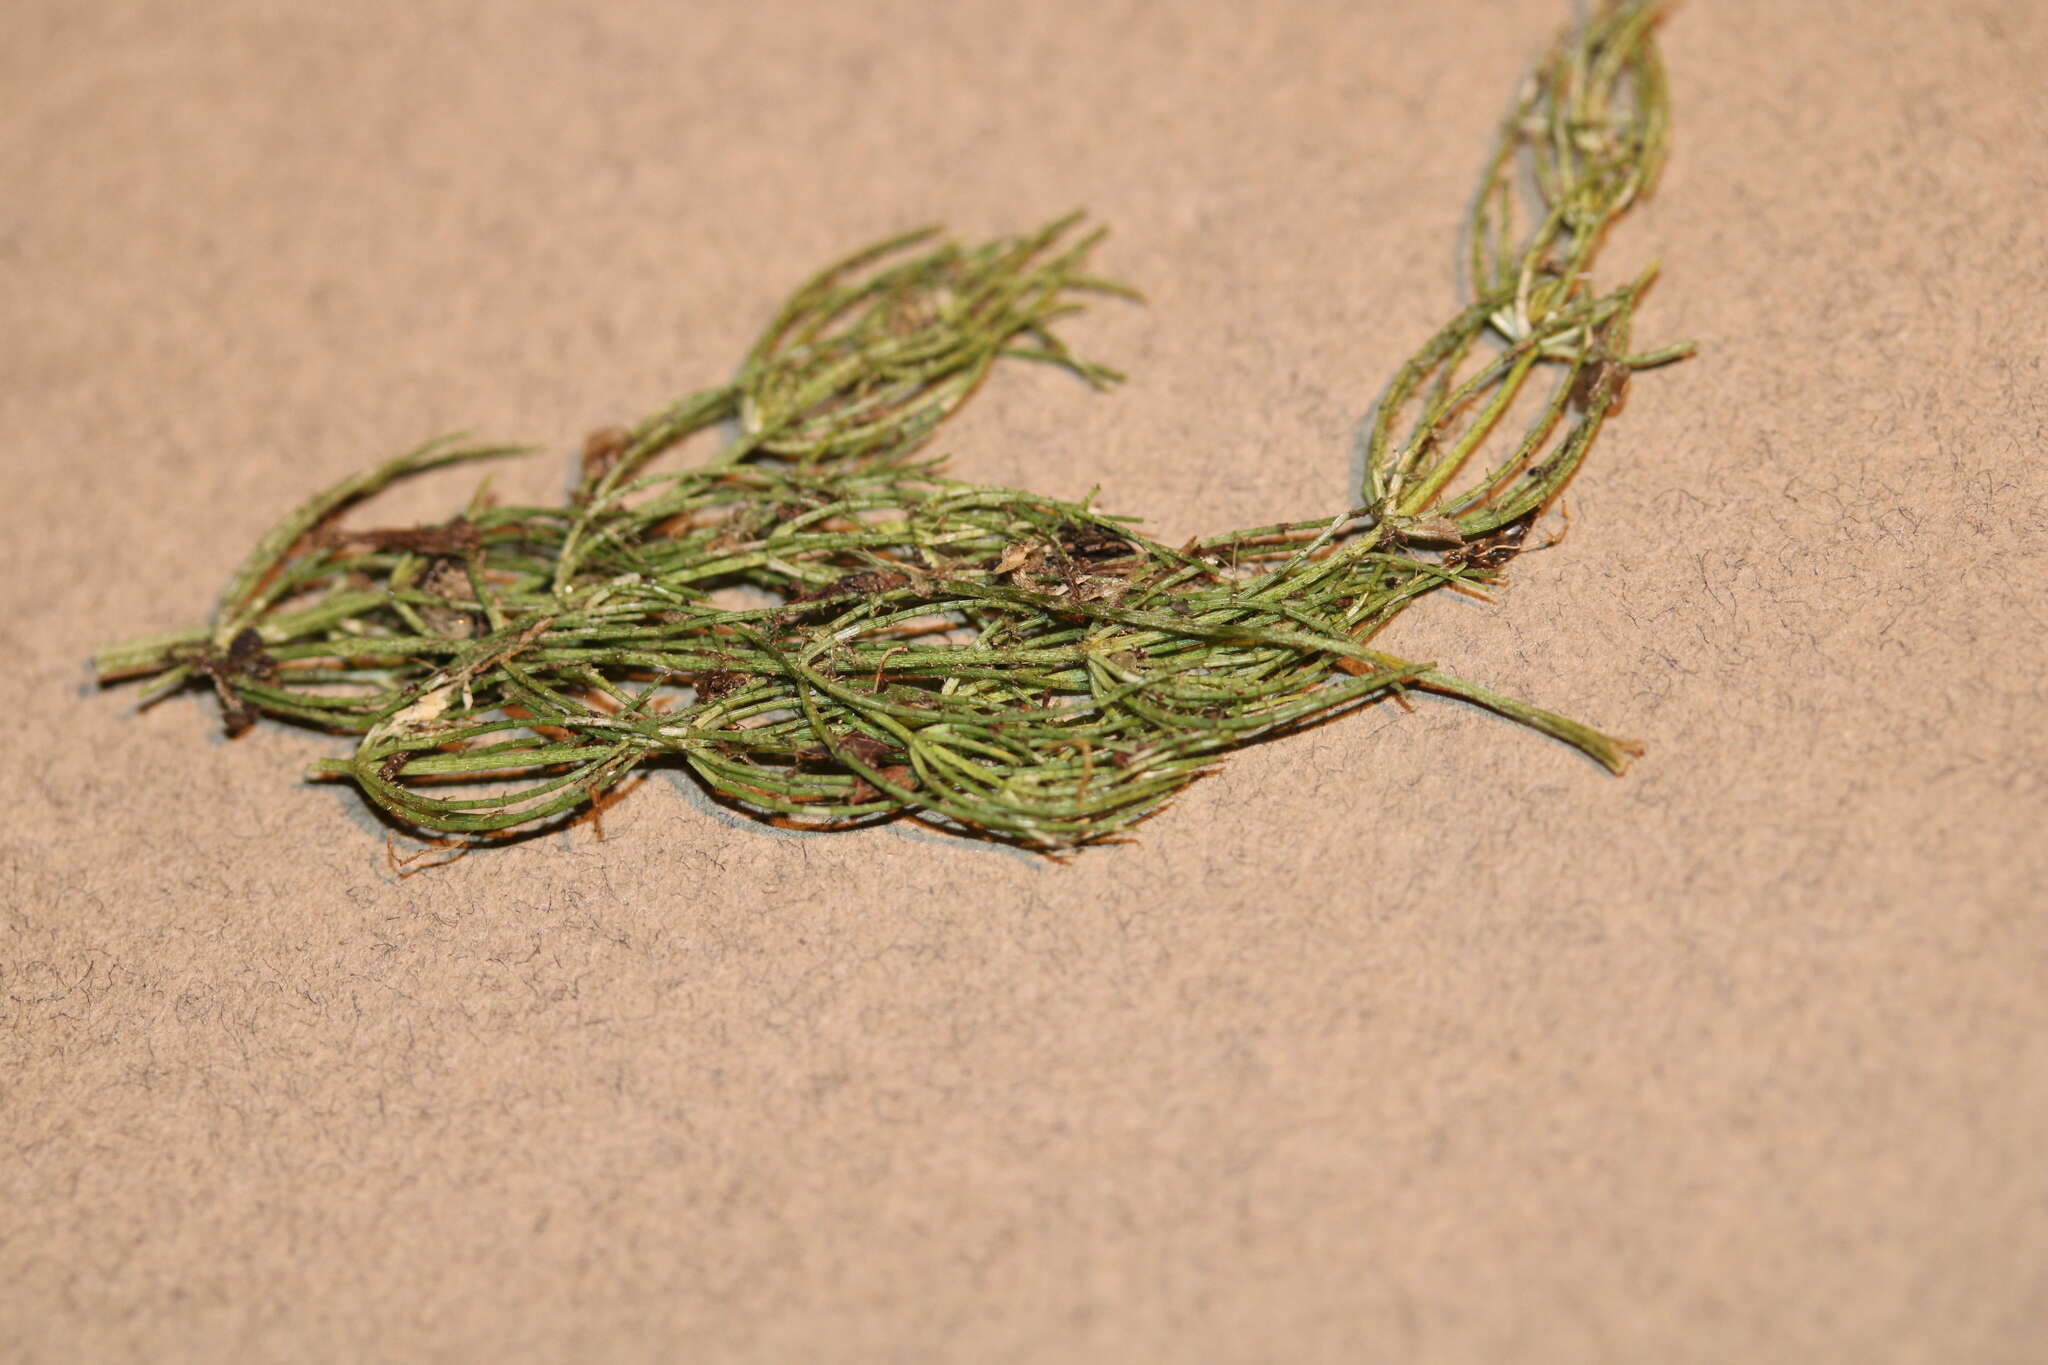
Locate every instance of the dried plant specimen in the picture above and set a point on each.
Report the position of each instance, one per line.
(825, 627)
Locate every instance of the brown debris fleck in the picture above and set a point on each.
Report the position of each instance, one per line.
(247, 656)
(1491, 551)
(898, 774)
(601, 450)
(869, 750)
(1094, 544)
(853, 585)
(713, 685)
(244, 657)
(458, 538)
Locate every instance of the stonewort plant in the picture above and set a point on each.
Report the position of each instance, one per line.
(827, 629)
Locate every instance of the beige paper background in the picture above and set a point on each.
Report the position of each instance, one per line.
(1412, 1039)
